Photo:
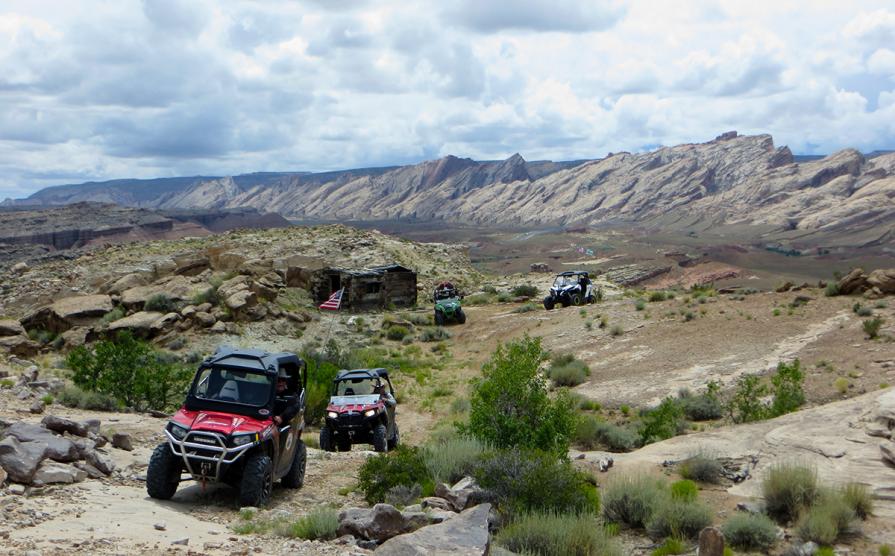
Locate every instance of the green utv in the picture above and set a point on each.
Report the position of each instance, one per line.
(447, 304)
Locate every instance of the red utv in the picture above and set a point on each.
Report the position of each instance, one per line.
(225, 431)
(361, 411)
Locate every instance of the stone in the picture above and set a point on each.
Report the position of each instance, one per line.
(190, 265)
(204, 319)
(19, 345)
(877, 429)
(91, 471)
(84, 445)
(17, 490)
(176, 288)
(68, 312)
(122, 441)
(182, 542)
(228, 261)
(164, 323)
(10, 327)
(463, 494)
(435, 502)
(887, 448)
(188, 311)
(61, 425)
(37, 407)
(750, 507)
(464, 535)
(241, 300)
(160, 526)
(785, 287)
(101, 462)
(92, 426)
(219, 327)
(57, 447)
(140, 323)
(127, 282)
(711, 542)
(379, 523)
(77, 336)
(21, 459)
(51, 472)
(20, 268)
(883, 280)
(853, 282)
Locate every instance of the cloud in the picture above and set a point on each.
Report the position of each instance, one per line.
(535, 15)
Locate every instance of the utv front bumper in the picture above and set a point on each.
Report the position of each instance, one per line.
(206, 455)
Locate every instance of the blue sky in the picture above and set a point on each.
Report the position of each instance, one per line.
(97, 89)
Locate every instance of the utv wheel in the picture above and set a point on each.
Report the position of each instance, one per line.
(393, 441)
(461, 316)
(591, 299)
(326, 440)
(439, 318)
(575, 298)
(549, 303)
(163, 473)
(380, 443)
(295, 478)
(257, 481)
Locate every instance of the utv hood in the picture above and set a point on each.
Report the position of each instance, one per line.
(340, 404)
(214, 421)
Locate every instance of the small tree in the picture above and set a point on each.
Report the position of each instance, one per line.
(788, 392)
(510, 406)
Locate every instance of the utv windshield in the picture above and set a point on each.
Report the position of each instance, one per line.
(231, 386)
(445, 294)
(356, 387)
(563, 281)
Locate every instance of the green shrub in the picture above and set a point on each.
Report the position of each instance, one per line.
(746, 405)
(832, 289)
(72, 396)
(570, 373)
(788, 489)
(434, 334)
(872, 326)
(750, 532)
(684, 490)
(662, 422)
(553, 534)
(321, 523)
(7, 383)
(504, 297)
(453, 458)
(630, 499)
(657, 296)
(841, 384)
(525, 481)
(616, 330)
(827, 521)
(131, 371)
(526, 290)
(885, 550)
(479, 299)
(525, 308)
(397, 332)
(510, 404)
(670, 547)
(701, 468)
(640, 305)
(47, 399)
(677, 518)
(864, 312)
(592, 432)
(115, 314)
(787, 388)
(858, 498)
(160, 303)
(208, 296)
(320, 380)
(703, 407)
(403, 466)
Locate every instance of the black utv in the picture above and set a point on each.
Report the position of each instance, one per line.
(361, 411)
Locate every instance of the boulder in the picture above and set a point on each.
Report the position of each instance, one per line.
(883, 280)
(463, 494)
(140, 323)
(853, 282)
(122, 441)
(77, 336)
(127, 282)
(57, 447)
(92, 426)
(785, 287)
(20, 268)
(228, 261)
(61, 425)
(177, 288)
(241, 300)
(50, 472)
(19, 345)
(10, 327)
(191, 265)
(436, 503)
(37, 407)
(381, 522)
(464, 535)
(887, 448)
(69, 312)
(21, 459)
(204, 319)
(91, 471)
(164, 323)
(219, 328)
(100, 461)
(711, 542)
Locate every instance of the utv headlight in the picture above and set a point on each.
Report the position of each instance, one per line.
(369, 413)
(178, 432)
(243, 439)
(332, 414)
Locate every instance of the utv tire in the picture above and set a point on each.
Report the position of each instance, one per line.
(591, 299)
(394, 440)
(163, 473)
(295, 478)
(549, 303)
(326, 440)
(380, 443)
(461, 316)
(257, 481)
(439, 318)
(576, 299)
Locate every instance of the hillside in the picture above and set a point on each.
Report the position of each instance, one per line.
(733, 184)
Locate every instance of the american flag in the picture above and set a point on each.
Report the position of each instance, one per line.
(334, 301)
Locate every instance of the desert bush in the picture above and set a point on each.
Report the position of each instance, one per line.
(402, 495)
(827, 521)
(321, 523)
(131, 371)
(630, 499)
(750, 532)
(160, 303)
(678, 518)
(788, 489)
(872, 326)
(322, 369)
(479, 299)
(453, 458)
(832, 289)
(702, 407)
(460, 405)
(662, 422)
(670, 547)
(405, 466)
(510, 404)
(684, 490)
(526, 308)
(555, 534)
(592, 432)
(525, 481)
(746, 406)
(568, 373)
(397, 332)
(208, 296)
(115, 314)
(864, 312)
(858, 498)
(787, 388)
(525, 290)
(702, 468)
(434, 334)
(841, 384)
(657, 296)
(640, 304)
(72, 396)
(616, 330)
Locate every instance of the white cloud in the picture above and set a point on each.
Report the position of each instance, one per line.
(143, 88)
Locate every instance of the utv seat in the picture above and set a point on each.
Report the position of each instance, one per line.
(349, 392)
(229, 392)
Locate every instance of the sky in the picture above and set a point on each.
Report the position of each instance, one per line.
(105, 89)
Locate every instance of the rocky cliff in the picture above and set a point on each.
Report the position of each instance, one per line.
(736, 182)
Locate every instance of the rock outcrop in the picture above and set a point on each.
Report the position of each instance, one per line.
(464, 535)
